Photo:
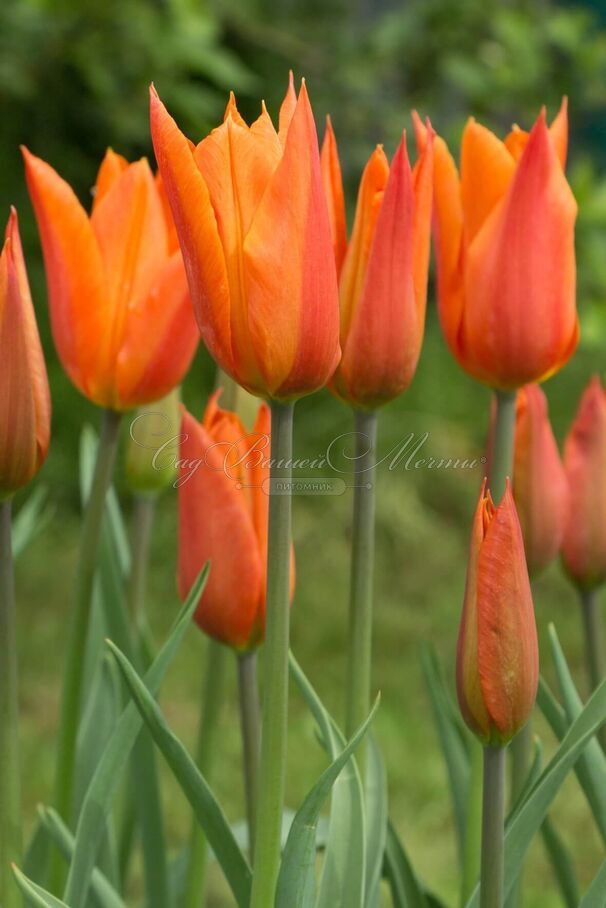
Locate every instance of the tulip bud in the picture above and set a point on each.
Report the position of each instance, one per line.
(504, 237)
(497, 653)
(540, 489)
(151, 458)
(584, 544)
(25, 407)
(223, 518)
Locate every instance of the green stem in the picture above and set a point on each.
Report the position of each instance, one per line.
(74, 670)
(594, 638)
(493, 829)
(10, 789)
(272, 774)
(211, 701)
(362, 563)
(250, 723)
(503, 443)
(473, 831)
(143, 521)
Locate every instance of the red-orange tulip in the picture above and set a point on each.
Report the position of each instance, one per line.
(497, 654)
(540, 489)
(25, 407)
(253, 223)
(121, 315)
(504, 236)
(584, 545)
(223, 518)
(383, 278)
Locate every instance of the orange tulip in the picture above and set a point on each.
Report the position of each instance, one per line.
(504, 235)
(383, 278)
(120, 311)
(253, 224)
(540, 488)
(584, 545)
(497, 653)
(223, 518)
(25, 407)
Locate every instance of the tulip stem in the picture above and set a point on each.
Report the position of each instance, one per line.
(211, 702)
(362, 564)
(493, 829)
(594, 638)
(250, 723)
(504, 436)
(74, 669)
(272, 771)
(143, 521)
(10, 790)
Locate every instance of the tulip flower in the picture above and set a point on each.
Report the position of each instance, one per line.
(584, 544)
(383, 278)
(504, 233)
(497, 655)
(25, 407)
(223, 518)
(254, 228)
(120, 310)
(540, 488)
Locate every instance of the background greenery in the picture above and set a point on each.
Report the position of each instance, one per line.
(74, 76)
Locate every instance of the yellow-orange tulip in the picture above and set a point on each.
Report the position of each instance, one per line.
(497, 653)
(253, 224)
(25, 407)
(120, 311)
(383, 277)
(504, 233)
(584, 545)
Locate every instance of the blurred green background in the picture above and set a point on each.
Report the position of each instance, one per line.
(74, 77)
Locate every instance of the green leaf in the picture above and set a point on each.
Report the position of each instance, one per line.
(205, 806)
(595, 897)
(296, 881)
(343, 873)
(561, 862)
(35, 895)
(592, 763)
(531, 777)
(453, 738)
(376, 822)
(102, 790)
(406, 891)
(33, 517)
(103, 892)
(528, 819)
(37, 854)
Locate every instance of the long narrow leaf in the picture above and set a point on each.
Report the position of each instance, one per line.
(528, 819)
(103, 787)
(35, 895)
(32, 517)
(376, 822)
(561, 863)
(205, 806)
(595, 897)
(294, 888)
(406, 891)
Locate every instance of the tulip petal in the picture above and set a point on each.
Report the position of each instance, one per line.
(507, 636)
(520, 321)
(517, 139)
(198, 233)
(112, 167)
(333, 187)
(159, 341)
(287, 109)
(75, 274)
(487, 169)
(215, 525)
(293, 310)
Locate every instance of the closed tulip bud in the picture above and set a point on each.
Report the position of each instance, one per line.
(151, 461)
(120, 311)
(540, 488)
(254, 228)
(223, 518)
(497, 654)
(584, 545)
(25, 407)
(504, 234)
(383, 279)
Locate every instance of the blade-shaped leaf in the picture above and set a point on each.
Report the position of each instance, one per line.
(595, 897)
(205, 806)
(32, 517)
(35, 895)
(297, 870)
(103, 892)
(406, 891)
(561, 862)
(105, 782)
(376, 822)
(528, 819)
